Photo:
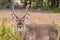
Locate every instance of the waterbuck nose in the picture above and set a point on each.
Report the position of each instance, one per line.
(20, 26)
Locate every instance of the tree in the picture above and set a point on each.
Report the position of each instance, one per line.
(53, 3)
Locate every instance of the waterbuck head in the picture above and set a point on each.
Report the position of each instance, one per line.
(20, 21)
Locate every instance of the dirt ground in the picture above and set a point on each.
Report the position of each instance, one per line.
(35, 16)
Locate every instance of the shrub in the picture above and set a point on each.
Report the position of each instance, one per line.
(56, 25)
(34, 22)
(57, 9)
(6, 33)
(2, 2)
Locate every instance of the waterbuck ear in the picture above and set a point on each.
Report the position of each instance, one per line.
(13, 17)
(27, 16)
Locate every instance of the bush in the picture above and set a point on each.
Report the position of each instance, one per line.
(6, 33)
(2, 2)
(57, 9)
(56, 25)
(33, 22)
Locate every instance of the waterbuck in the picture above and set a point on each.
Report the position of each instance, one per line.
(34, 31)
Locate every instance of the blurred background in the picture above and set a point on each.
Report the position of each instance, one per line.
(50, 5)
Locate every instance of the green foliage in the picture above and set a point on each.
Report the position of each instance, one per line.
(56, 25)
(57, 9)
(6, 33)
(45, 4)
(34, 22)
(2, 2)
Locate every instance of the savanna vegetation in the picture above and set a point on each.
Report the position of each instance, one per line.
(6, 33)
